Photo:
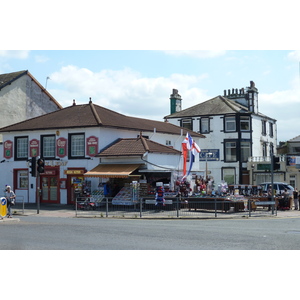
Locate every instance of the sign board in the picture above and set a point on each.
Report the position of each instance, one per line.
(8, 149)
(3, 207)
(214, 156)
(34, 148)
(264, 203)
(92, 145)
(61, 147)
(263, 167)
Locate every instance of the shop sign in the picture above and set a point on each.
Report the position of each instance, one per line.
(213, 156)
(34, 148)
(92, 145)
(8, 149)
(74, 172)
(263, 167)
(50, 172)
(61, 147)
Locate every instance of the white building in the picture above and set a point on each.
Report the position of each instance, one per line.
(84, 146)
(234, 129)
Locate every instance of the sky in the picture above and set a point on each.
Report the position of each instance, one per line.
(125, 54)
(139, 82)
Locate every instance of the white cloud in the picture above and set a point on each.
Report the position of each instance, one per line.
(18, 54)
(283, 106)
(294, 55)
(196, 53)
(125, 91)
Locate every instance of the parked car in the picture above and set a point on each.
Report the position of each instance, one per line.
(278, 186)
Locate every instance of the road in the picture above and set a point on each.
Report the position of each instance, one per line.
(39, 232)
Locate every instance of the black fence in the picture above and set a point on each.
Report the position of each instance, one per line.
(174, 207)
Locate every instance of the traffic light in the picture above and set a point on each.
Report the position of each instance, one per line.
(276, 163)
(41, 165)
(33, 166)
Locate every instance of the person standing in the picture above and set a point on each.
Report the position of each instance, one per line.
(296, 195)
(10, 198)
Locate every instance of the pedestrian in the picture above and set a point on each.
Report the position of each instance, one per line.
(299, 201)
(286, 199)
(10, 198)
(270, 191)
(295, 194)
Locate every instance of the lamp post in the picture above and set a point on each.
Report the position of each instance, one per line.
(208, 153)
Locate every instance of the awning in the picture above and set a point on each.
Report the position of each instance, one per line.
(112, 171)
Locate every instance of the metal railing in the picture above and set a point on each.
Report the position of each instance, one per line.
(175, 208)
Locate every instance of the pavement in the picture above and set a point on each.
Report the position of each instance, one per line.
(68, 211)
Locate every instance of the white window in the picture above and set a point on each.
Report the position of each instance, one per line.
(230, 124)
(48, 144)
(187, 123)
(22, 147)
(204, 125)
(245, 151)
(245, 123)
(22, 179)
(230, 151)
(77, 146)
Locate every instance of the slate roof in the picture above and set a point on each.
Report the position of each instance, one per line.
(9, 78)
(135, 147)
(91, 115)
(216, 106)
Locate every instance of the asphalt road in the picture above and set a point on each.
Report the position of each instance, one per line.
(50, 233)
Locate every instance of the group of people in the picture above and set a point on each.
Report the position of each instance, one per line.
(296, 195)
(285, 200)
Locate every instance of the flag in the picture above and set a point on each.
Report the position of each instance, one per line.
(194, 150)
(189, 145)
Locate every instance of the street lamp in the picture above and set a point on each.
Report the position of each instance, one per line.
(207, 154)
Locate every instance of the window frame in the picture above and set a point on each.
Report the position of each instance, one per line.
(17, 150)
(225, 150)
(207, 119)
(245, 120)
(242, 152)
(53, 150)
(187, 121)
(71, 155)
(227, 122)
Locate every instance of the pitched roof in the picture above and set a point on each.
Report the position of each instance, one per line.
(215, 106)
(91, 115)
(8, 78)
(135, 147)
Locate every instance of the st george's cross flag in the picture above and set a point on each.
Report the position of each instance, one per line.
(189, 145)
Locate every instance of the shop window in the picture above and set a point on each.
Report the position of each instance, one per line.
(48, 146)
(230, 124)
(22, 179)
(21, 148)
(228, 175)
(77, 145)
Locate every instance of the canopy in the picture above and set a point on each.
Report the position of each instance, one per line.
(112, 171)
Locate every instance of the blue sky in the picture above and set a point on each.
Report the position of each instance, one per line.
(128, 73)
(139, 83)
